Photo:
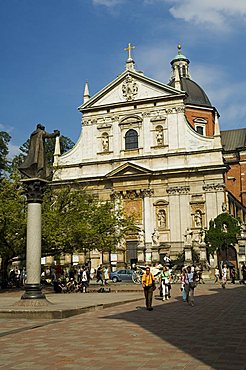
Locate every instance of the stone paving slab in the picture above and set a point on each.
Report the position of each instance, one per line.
(210, 335)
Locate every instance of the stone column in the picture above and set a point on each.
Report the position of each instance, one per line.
(34, 190)
(148, 223)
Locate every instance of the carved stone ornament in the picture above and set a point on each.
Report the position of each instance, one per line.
(178, 190)
(213, 187)
(129, 88)
(34, 190)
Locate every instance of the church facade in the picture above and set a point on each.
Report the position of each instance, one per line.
(155, 149)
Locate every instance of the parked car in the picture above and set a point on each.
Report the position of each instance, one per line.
(121, 275)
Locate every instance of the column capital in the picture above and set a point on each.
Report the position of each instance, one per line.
(147, 192)
(34, 189)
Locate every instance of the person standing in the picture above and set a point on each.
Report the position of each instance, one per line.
(243, 270)
(84, 280)
(224, 276)
(216, 275)
(148, 281)
(190, 284)
(182, 279)
(233, 275)
(165, 282)
(106, 275)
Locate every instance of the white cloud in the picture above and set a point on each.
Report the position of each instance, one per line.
(153, 60)
(107, 3)
(216, 13)
(13, 151)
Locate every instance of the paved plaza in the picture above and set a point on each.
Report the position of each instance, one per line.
(210, 335)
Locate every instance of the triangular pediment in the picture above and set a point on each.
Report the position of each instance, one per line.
(130, 86)
(128, 169)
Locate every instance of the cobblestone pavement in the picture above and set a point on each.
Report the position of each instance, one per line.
(210, 335)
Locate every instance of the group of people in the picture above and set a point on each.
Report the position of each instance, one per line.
(79, 279)
(189, 280)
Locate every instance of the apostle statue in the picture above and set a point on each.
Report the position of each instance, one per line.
(155, 237)
(35, 163)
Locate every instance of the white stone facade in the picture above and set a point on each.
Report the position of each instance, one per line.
(172, 175)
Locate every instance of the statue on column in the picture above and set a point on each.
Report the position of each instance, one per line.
(35, 163)
(188, 236)
(141, 237)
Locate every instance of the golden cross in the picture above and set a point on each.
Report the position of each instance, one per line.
(129, 48)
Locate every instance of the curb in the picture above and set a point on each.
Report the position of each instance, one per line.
(59, 313)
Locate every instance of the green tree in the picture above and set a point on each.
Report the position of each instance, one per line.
(75, 221)
(12, 224)
(4, 151)
(222, 232)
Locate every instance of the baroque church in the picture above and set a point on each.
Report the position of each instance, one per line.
(156, 150)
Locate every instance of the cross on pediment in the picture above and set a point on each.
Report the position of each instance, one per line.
(129, 49)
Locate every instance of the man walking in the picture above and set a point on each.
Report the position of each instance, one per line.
(148, 283)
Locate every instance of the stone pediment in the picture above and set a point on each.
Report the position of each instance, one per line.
(128, 169)
(130, 86)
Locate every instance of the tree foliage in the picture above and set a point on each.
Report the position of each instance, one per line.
(222, 232)
(76, 221)
(4, 141)
(12, 223)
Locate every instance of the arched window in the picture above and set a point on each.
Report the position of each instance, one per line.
(131, 140)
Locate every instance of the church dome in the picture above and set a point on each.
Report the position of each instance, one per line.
(181, 80)
(196, 95)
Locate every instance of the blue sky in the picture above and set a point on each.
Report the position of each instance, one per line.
(49, 48)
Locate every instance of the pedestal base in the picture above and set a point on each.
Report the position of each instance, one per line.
(33, 291)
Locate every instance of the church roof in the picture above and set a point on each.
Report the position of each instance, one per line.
(196, 95)
(233, 139)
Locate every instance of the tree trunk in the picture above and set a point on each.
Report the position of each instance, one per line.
(4, 272)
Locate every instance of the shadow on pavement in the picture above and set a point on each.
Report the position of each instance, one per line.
(213, 331)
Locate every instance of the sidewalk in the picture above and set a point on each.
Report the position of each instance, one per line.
(65, 305)
(209, 336)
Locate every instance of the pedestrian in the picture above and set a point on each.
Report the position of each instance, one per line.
(148, 283)
(233, 275)
(106, 275)
(224, 276)
(190, 284)
(165, 283)
(84, 281)
(99, 275)
(200, 278)
(243, 270)
(182, 279)
(216, 275)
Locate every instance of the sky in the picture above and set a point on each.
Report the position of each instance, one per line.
(49, 48)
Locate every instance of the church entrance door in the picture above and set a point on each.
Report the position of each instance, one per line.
(131, 252)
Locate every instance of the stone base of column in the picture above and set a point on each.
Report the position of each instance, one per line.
(155, 255)
(188, 254)
(33, 291)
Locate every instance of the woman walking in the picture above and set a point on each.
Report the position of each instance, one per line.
(190, 285)
(182, 279)
(165, 282)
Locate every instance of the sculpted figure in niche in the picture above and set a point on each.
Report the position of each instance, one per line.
(159, 135)
(141, 236)
(105, 142)
(198, 219)
(35, 163)
(155, 237)
(161, 216)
